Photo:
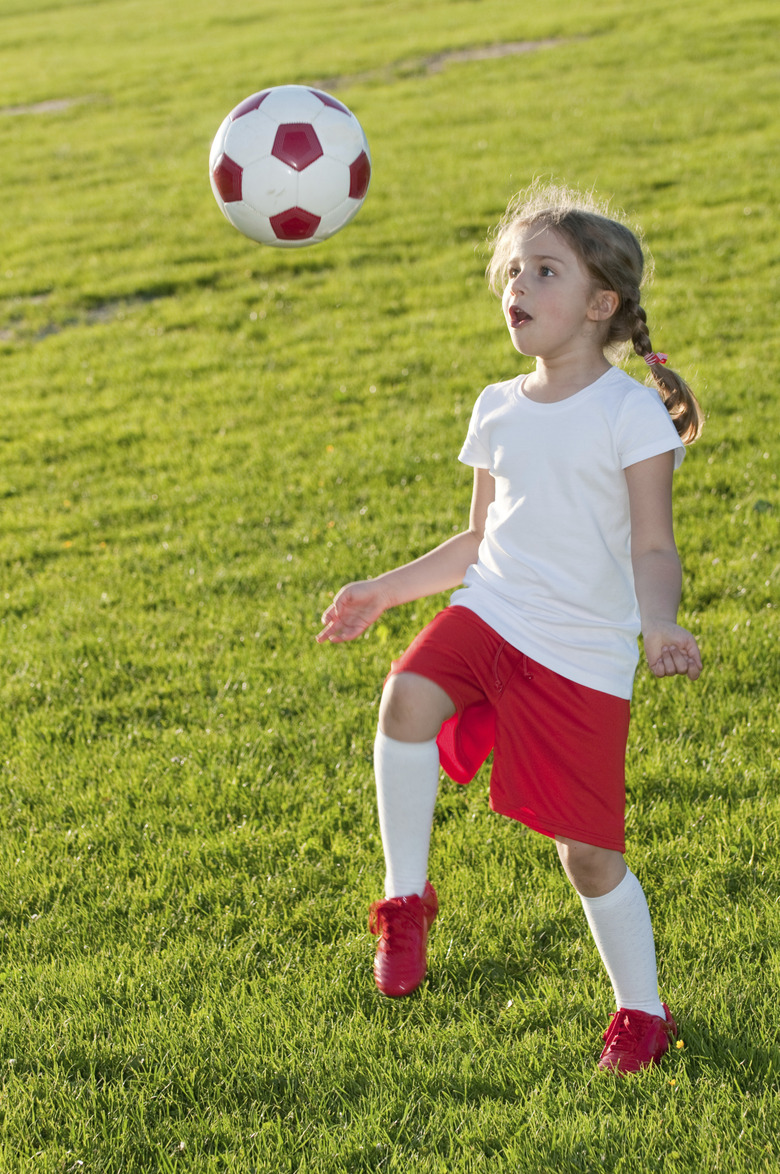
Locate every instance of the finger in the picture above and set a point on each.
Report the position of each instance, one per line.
(666, 659)
(694, 665)
(676, 661)
(680, 659)
(340, 631)
(695, 657)
(331, 622)
(657, 667)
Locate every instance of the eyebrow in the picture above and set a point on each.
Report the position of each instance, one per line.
(538, 257)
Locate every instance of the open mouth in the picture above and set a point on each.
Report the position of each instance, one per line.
(517, 316)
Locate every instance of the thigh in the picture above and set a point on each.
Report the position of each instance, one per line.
(458, 652)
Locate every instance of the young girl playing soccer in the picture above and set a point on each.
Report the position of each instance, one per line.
(569, 553)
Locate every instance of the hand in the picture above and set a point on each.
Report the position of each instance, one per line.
(672, 651)
(354, 609)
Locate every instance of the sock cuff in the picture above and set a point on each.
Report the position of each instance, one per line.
(412, 751)
(606, 900)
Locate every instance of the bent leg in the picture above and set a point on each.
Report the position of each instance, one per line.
(413, 708)
(406, 766)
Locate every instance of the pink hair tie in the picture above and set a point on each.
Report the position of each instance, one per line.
(655, 357)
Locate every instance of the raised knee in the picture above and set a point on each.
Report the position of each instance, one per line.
(413, 708)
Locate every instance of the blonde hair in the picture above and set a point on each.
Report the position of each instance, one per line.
(612, 255)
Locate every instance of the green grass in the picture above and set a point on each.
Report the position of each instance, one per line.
(202, 439)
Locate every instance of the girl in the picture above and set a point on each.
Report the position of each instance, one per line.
(568, 554)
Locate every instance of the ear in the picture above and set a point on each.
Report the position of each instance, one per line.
(604, 304)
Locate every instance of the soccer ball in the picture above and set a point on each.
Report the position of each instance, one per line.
(290, 166)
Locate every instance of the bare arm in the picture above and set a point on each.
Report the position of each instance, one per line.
(669, 648)
(357, 605)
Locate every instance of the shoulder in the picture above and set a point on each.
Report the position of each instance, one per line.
(496, 397)
(630, 401)
(500, 392)
(643, 426)
(620, 388)
(633, 393)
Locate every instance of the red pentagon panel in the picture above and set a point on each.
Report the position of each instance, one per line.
(248, 104)
(296, 144)
(227, 178)
(359, 176)
(327, 100)
(296, 224)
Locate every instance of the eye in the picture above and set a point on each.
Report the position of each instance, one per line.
(545, 271)
(513, 271)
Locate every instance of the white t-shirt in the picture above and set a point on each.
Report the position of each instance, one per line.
(554, 575)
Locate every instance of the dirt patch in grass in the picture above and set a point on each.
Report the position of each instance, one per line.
(436, 62)
(396, 71)
(51, 106)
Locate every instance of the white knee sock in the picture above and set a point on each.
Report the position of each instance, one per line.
(407, 780)
(620, 924)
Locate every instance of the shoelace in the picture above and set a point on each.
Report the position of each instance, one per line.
(394, 923)
(621, 1032)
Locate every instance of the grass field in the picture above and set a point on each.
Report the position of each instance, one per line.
(202, 440)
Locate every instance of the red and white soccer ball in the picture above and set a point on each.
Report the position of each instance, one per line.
(290, 166)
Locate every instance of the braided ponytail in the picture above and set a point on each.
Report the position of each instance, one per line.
(680, 401)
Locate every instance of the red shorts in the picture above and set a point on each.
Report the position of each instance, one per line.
(559, 747)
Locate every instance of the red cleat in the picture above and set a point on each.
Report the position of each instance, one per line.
(635, 1039)
(402, 924)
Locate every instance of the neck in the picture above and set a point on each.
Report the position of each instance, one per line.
(558, 379)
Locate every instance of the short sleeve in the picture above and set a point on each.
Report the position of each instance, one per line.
(475, 451)
(646, 429)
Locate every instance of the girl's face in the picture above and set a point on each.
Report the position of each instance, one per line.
(549, 302)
